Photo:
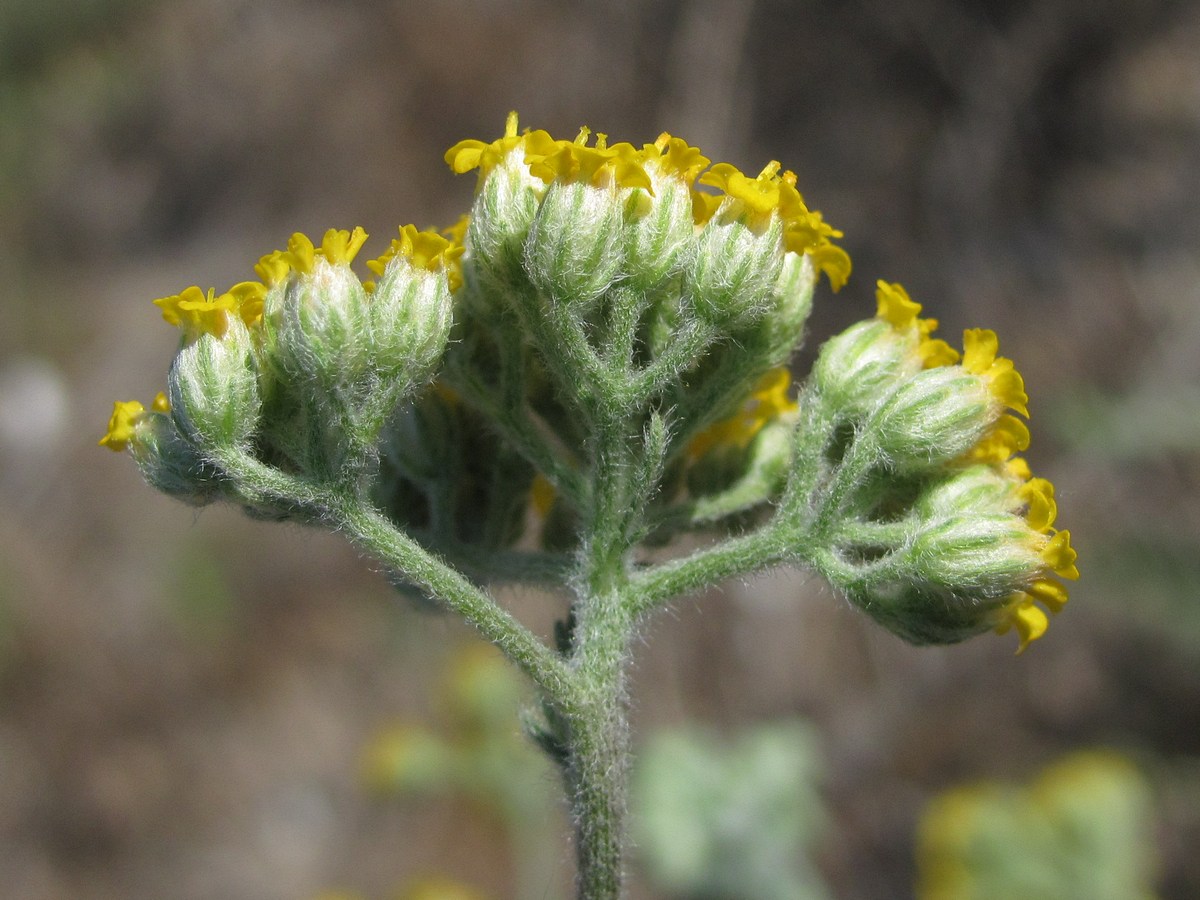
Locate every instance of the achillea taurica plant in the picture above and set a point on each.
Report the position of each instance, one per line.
(606, 336)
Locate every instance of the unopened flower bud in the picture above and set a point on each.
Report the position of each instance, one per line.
(975, 488)
(506, 199)
(409, 318)
(321, 333)
(857, 366)
(932, 417)
(573, 251)
(790, 304)
(214, 388)
(659, 229)
(735, 269)
(974, 555)
(172, 464)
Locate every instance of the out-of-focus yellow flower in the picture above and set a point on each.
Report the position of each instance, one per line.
(769, 400)
(1082, 829)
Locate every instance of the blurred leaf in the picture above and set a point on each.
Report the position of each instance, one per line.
(730, 820)
(1081, 831)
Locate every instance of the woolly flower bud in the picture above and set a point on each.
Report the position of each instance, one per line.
(172, 464)
(506, 200)
(974, 555)
(856, 366)
(320, 324)
(979, 550)
(214, 389)
(573, 251)
(790, 303)
(659, 232)
(739, 256)
(953, 581)
(859, 365)
(932, 417)
(410, 310)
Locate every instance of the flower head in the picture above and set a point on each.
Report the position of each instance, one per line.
(425, 250)
(126, 416)
(472, 154)
(756, 202)
(574, 161)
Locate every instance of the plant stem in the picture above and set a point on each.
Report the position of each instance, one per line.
(597, 745)
(370, 530)
(597, 764)
(375, 534)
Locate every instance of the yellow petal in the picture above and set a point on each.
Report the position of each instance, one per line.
(125, 416)
(1050, 594)
(1038, 494)
(1060, 557)
(979, 349)
(894, 305)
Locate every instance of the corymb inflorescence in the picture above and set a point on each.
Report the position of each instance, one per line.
(593, 362)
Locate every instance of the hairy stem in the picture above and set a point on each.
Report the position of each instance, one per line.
(371, 531)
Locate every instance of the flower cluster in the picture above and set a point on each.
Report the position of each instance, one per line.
(596, 287)
(959, 536)
(306, 342)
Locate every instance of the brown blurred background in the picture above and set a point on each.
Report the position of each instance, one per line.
(184, 698)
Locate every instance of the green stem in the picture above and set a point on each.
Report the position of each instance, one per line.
(753, 552)
(597, 731)
(374, 533)
(597, 763)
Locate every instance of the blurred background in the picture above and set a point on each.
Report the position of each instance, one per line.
(195, 705)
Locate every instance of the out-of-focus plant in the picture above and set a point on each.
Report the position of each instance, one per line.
(731, 819)
(605, 340)
(1082, 831)
(478, 752)
(429, 888)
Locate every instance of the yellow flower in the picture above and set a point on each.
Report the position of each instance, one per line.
(894, 305)
(126, 416)
(755, 200)
(300, 255)
(772, 193)
(1038, 495)
(339, 246)
(571, 161)
(471, 154)
(1008, 436)
(424, 250)
(674, 156)
(759, 196)
(248, 297)
(1020, 613)
(979, 358)
(769, 400)
(197, 312)
(273, 268)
